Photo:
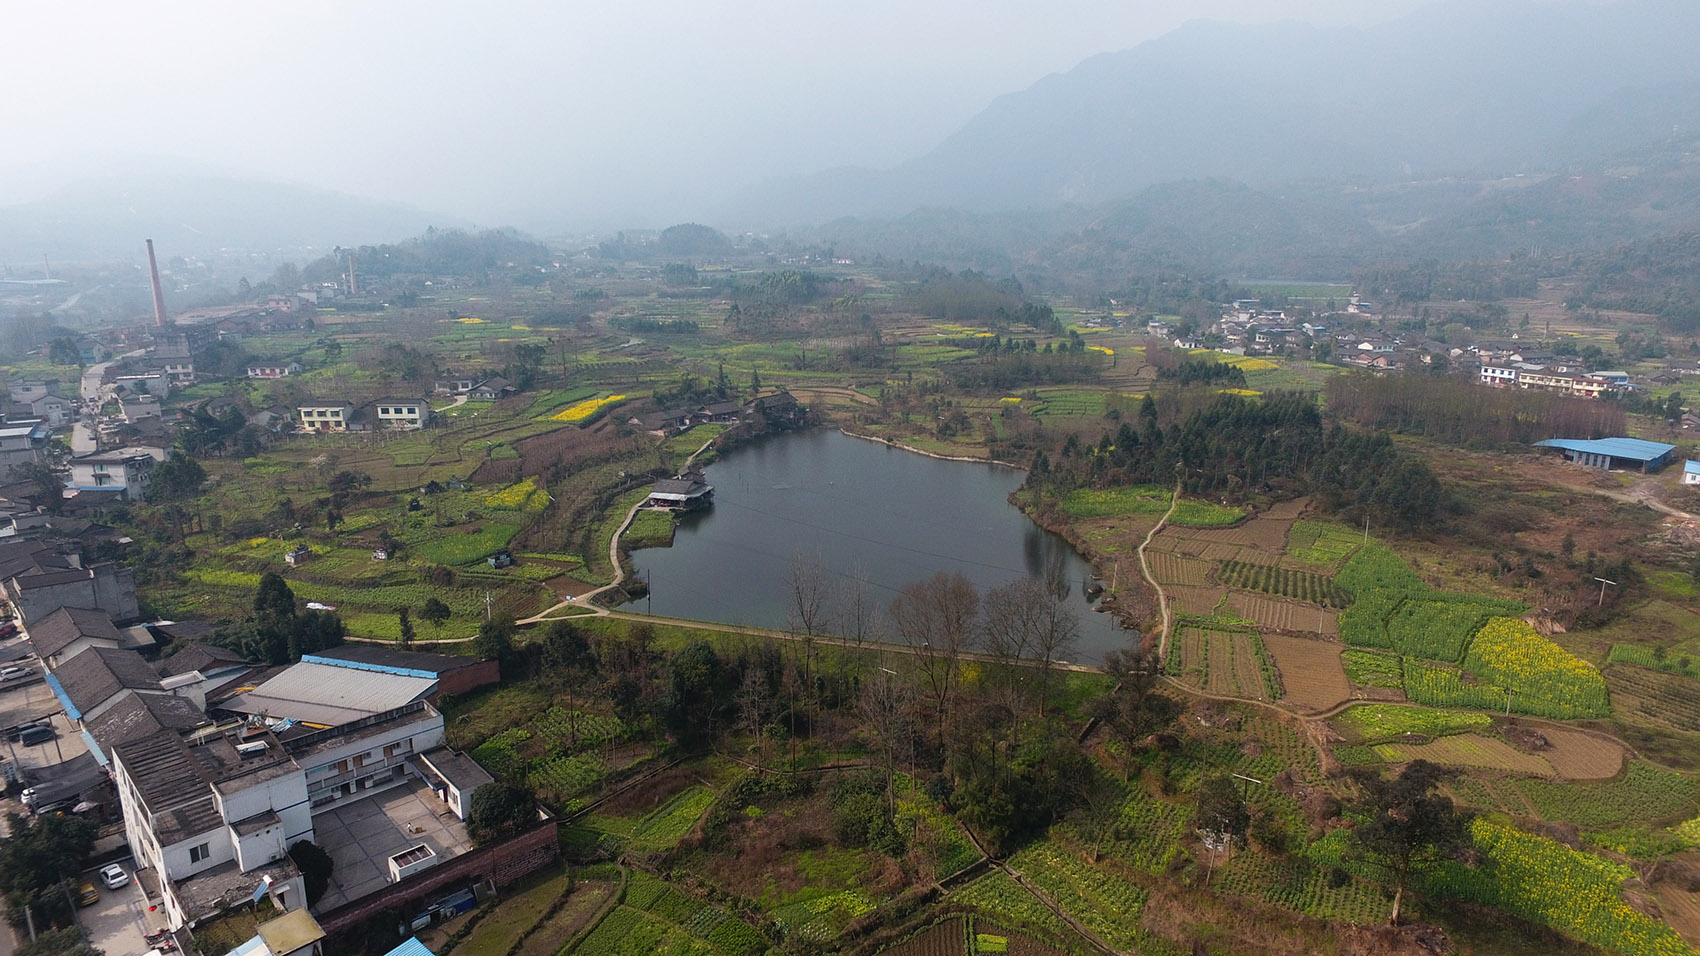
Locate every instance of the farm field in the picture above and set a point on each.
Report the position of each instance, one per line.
(1171, 569)
(1303, 586)
(1470, 751)
(1279, 614)
(1578, 755)
(948, 938)
(1229, 663)
(1311, 676)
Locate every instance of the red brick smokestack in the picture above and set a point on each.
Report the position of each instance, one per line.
(158, 296)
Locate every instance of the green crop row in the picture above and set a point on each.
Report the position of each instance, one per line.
(1104, 904)
(1001, 898)
(1286, 582)
(1372, 669)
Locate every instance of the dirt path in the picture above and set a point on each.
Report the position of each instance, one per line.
(1145, 570)
(585, 600)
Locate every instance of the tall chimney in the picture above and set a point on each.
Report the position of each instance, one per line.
(353, 286)
(158, 296)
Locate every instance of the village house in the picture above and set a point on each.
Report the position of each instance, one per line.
(21, 443)
(1691, 472)
(55, 410)
(325, 416)
(493, 389)
(134, 408)
(24, 393)
(683, 493)
(274, 371)
(126, 469)
(402, 413)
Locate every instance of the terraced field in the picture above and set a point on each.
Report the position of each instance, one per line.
(1472, 751)
(1312, 677)
(1279, 614)
(1229, 663)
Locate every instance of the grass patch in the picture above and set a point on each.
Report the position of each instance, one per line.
(1373, 669)
(1376, 723)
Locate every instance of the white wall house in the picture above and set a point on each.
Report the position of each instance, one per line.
(325, 416)
(403, 413)
(1691, 472)
(275, 371)
(127, 469)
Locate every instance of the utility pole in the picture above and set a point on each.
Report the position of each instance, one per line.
(488, 601)
(1603, 583)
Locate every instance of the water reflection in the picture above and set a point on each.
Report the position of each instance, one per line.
(869, 511)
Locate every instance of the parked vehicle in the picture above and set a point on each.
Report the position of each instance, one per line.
(14, 673)
(38, 734)
(114, 876)
(16, 732)
(87, 895)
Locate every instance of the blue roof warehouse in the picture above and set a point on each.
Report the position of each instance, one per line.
(1608, 453)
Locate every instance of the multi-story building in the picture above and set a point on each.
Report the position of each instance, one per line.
(127, 469)
(403, 413)
(325, 416)
(211, 808)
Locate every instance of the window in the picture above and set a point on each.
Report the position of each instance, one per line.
(413, 409)
(383, 410)
(199, 853)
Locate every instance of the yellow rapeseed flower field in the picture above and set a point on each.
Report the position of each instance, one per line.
(585, 409)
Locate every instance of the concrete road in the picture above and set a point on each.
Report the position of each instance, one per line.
(82, 439)
(116, 924)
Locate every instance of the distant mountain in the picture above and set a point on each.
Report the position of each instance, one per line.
(191, 215)
(1465, 87)
(1317, 229)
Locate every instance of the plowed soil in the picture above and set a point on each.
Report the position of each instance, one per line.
(1311, 673)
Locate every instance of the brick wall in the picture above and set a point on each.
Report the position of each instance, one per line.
(462, 679)
(501, 863)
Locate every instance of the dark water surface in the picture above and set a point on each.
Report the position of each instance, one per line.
(865, 509)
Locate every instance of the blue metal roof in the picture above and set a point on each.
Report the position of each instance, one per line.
(1633, 449)
(1691, 467)
(413, 947)
(71, 710)
(375, 668)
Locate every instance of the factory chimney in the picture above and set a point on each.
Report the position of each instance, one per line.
(353, 285)
(158, 296)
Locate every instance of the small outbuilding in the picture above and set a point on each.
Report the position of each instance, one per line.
(1691, 472)
(1607, 453)
(685, 493)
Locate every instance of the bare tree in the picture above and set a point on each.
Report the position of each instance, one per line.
(1028, 623)
(858, 614)
(936, 617)
(1133, 709)
(752, 701)
(809, 591)
(886, 710)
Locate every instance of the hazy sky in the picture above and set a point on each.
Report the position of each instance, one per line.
(609, 113)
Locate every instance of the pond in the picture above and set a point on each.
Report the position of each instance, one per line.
(862, 510)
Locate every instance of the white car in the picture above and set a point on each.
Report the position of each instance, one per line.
(14, 673)
(114, 876)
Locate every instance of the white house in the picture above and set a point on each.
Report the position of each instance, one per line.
(127, 469)
(403, 413)
(55, 410)
(1691, 472)
(275, 371)
(212, 808)
(325, 416)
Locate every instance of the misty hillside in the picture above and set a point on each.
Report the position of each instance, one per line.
(1457, 89)
(1307, 229)
(190, 215)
